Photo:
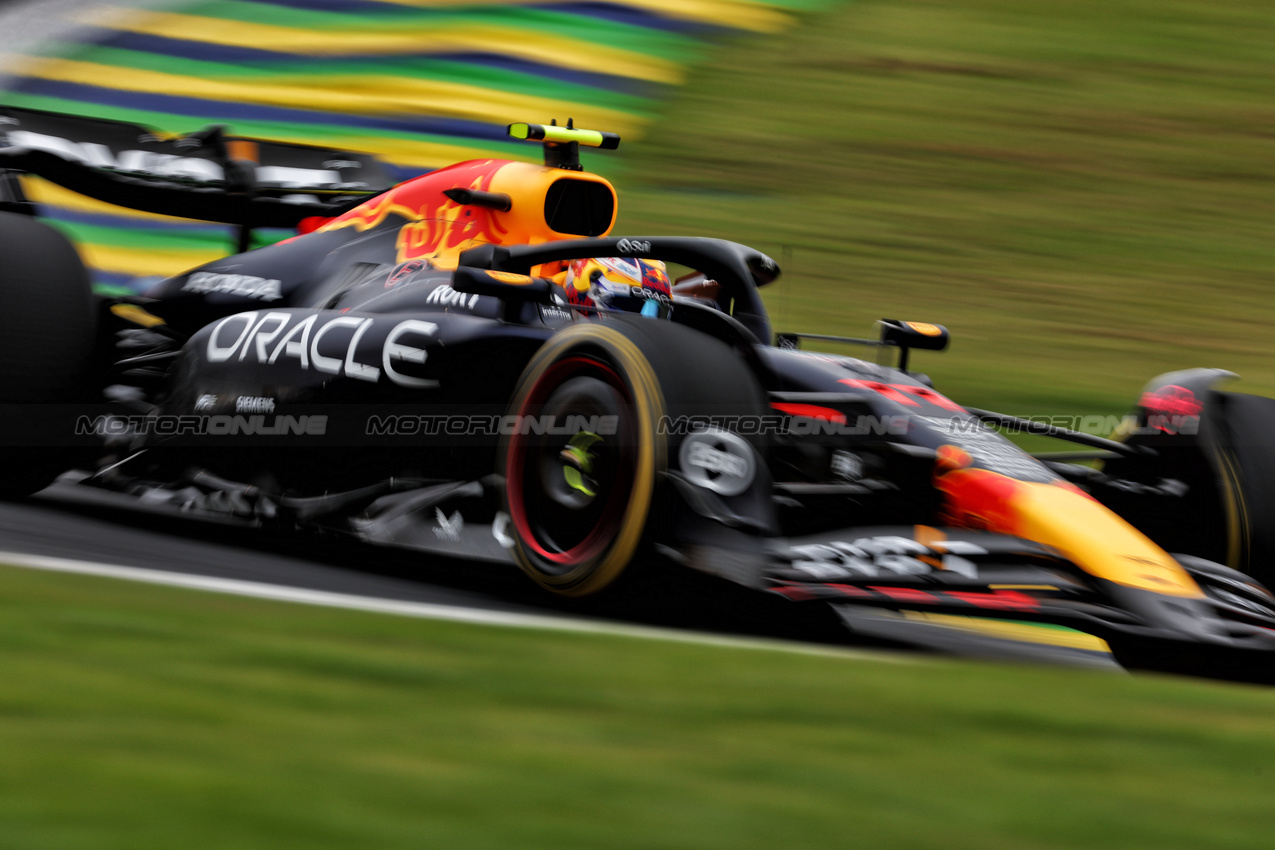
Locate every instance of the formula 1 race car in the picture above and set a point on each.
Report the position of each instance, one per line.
(415, 369)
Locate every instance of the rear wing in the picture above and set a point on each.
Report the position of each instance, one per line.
(207, 175)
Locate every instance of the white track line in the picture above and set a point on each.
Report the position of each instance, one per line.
(426, 610)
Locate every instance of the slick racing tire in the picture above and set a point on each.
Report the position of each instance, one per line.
(581, 500)
(47, 337)
(1245, 445)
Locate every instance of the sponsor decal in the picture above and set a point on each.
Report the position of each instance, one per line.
(1163, 487)
(329, 346)
(445, 296)
(433, 223)
(554, 313)
(511, 278)
(642, 292)
(166, 164)
(437, 223)
(448, 528)
(810, 411)
(847, 466)
(604, 291)
(405, 271)
(924, 328)
(905, 394)
(101, 156)
(244, 285)
(625, 268)
(876, 557)
(633, 246)
(207, 401)
(720, 461)
(991, 451)
(290, 177)
(254, 404)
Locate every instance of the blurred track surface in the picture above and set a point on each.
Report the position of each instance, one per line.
(79, 523)
(69, 521)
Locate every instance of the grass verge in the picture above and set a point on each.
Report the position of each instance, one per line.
(134, 716)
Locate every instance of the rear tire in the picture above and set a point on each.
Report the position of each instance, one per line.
(47, 335)
(576, 532)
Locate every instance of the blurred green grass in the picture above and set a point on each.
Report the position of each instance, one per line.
(1081, 190)
(135, 716)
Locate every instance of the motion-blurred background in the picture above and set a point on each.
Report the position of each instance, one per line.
(423, 84)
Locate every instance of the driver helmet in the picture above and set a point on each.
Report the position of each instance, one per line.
(620, 283)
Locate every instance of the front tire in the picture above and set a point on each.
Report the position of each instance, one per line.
(581, 502)
(1245, 448)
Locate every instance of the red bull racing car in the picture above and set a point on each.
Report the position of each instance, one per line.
(469, 364)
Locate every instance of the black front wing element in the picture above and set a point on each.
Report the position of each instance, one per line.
(1229, 633)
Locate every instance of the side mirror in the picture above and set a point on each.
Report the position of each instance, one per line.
(908, 335)
(505, 285)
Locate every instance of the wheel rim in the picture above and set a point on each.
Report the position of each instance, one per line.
(568, 491)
